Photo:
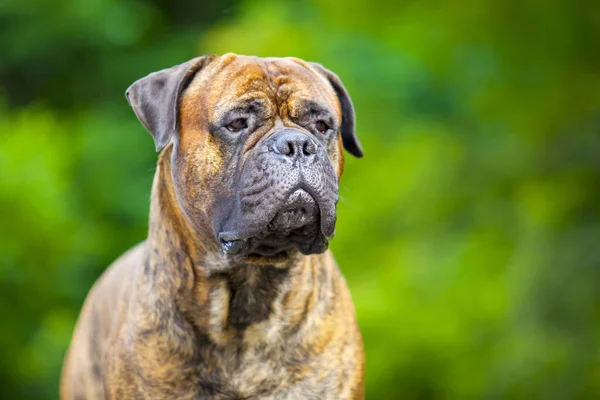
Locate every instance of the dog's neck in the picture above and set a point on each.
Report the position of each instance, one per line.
(220, 304)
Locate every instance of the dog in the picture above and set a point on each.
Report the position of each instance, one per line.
(234, 294)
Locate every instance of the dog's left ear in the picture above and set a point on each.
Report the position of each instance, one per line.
(349, 138)
(155, 99)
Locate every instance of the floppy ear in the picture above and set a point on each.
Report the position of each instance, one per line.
(155, 99)
(351, 143)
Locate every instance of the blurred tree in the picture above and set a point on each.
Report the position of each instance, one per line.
(468, 233)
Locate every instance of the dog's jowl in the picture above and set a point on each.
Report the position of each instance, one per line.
(234, 294)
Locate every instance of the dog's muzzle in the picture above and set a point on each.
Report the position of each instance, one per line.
(286, 198)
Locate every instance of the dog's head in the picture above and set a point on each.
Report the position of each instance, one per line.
(257, 148)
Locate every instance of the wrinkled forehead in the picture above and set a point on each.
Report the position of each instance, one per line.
(269, 82)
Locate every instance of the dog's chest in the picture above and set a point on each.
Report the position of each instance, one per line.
(250, 357)
(257, 364)
(231, 376)
(260, 373)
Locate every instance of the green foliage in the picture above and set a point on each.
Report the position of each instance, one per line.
(468, 234)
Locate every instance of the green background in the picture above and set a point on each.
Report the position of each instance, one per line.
(469, 234)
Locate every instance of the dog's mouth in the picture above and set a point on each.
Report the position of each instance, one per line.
(299, 210)
(296, 225)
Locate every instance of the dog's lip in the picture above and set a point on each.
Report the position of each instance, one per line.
(230, 236)
(297, 196)
(233, 242)
(238, 241)
(233, 236)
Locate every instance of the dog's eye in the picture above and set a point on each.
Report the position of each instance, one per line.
(237, 125)
(321, 126)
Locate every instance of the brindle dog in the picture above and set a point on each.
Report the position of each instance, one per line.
(234, 294)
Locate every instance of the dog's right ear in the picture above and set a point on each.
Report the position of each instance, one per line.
(155, 98)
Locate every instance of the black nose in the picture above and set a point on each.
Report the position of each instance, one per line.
(293, 144)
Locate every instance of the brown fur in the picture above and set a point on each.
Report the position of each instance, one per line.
(175, 319)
